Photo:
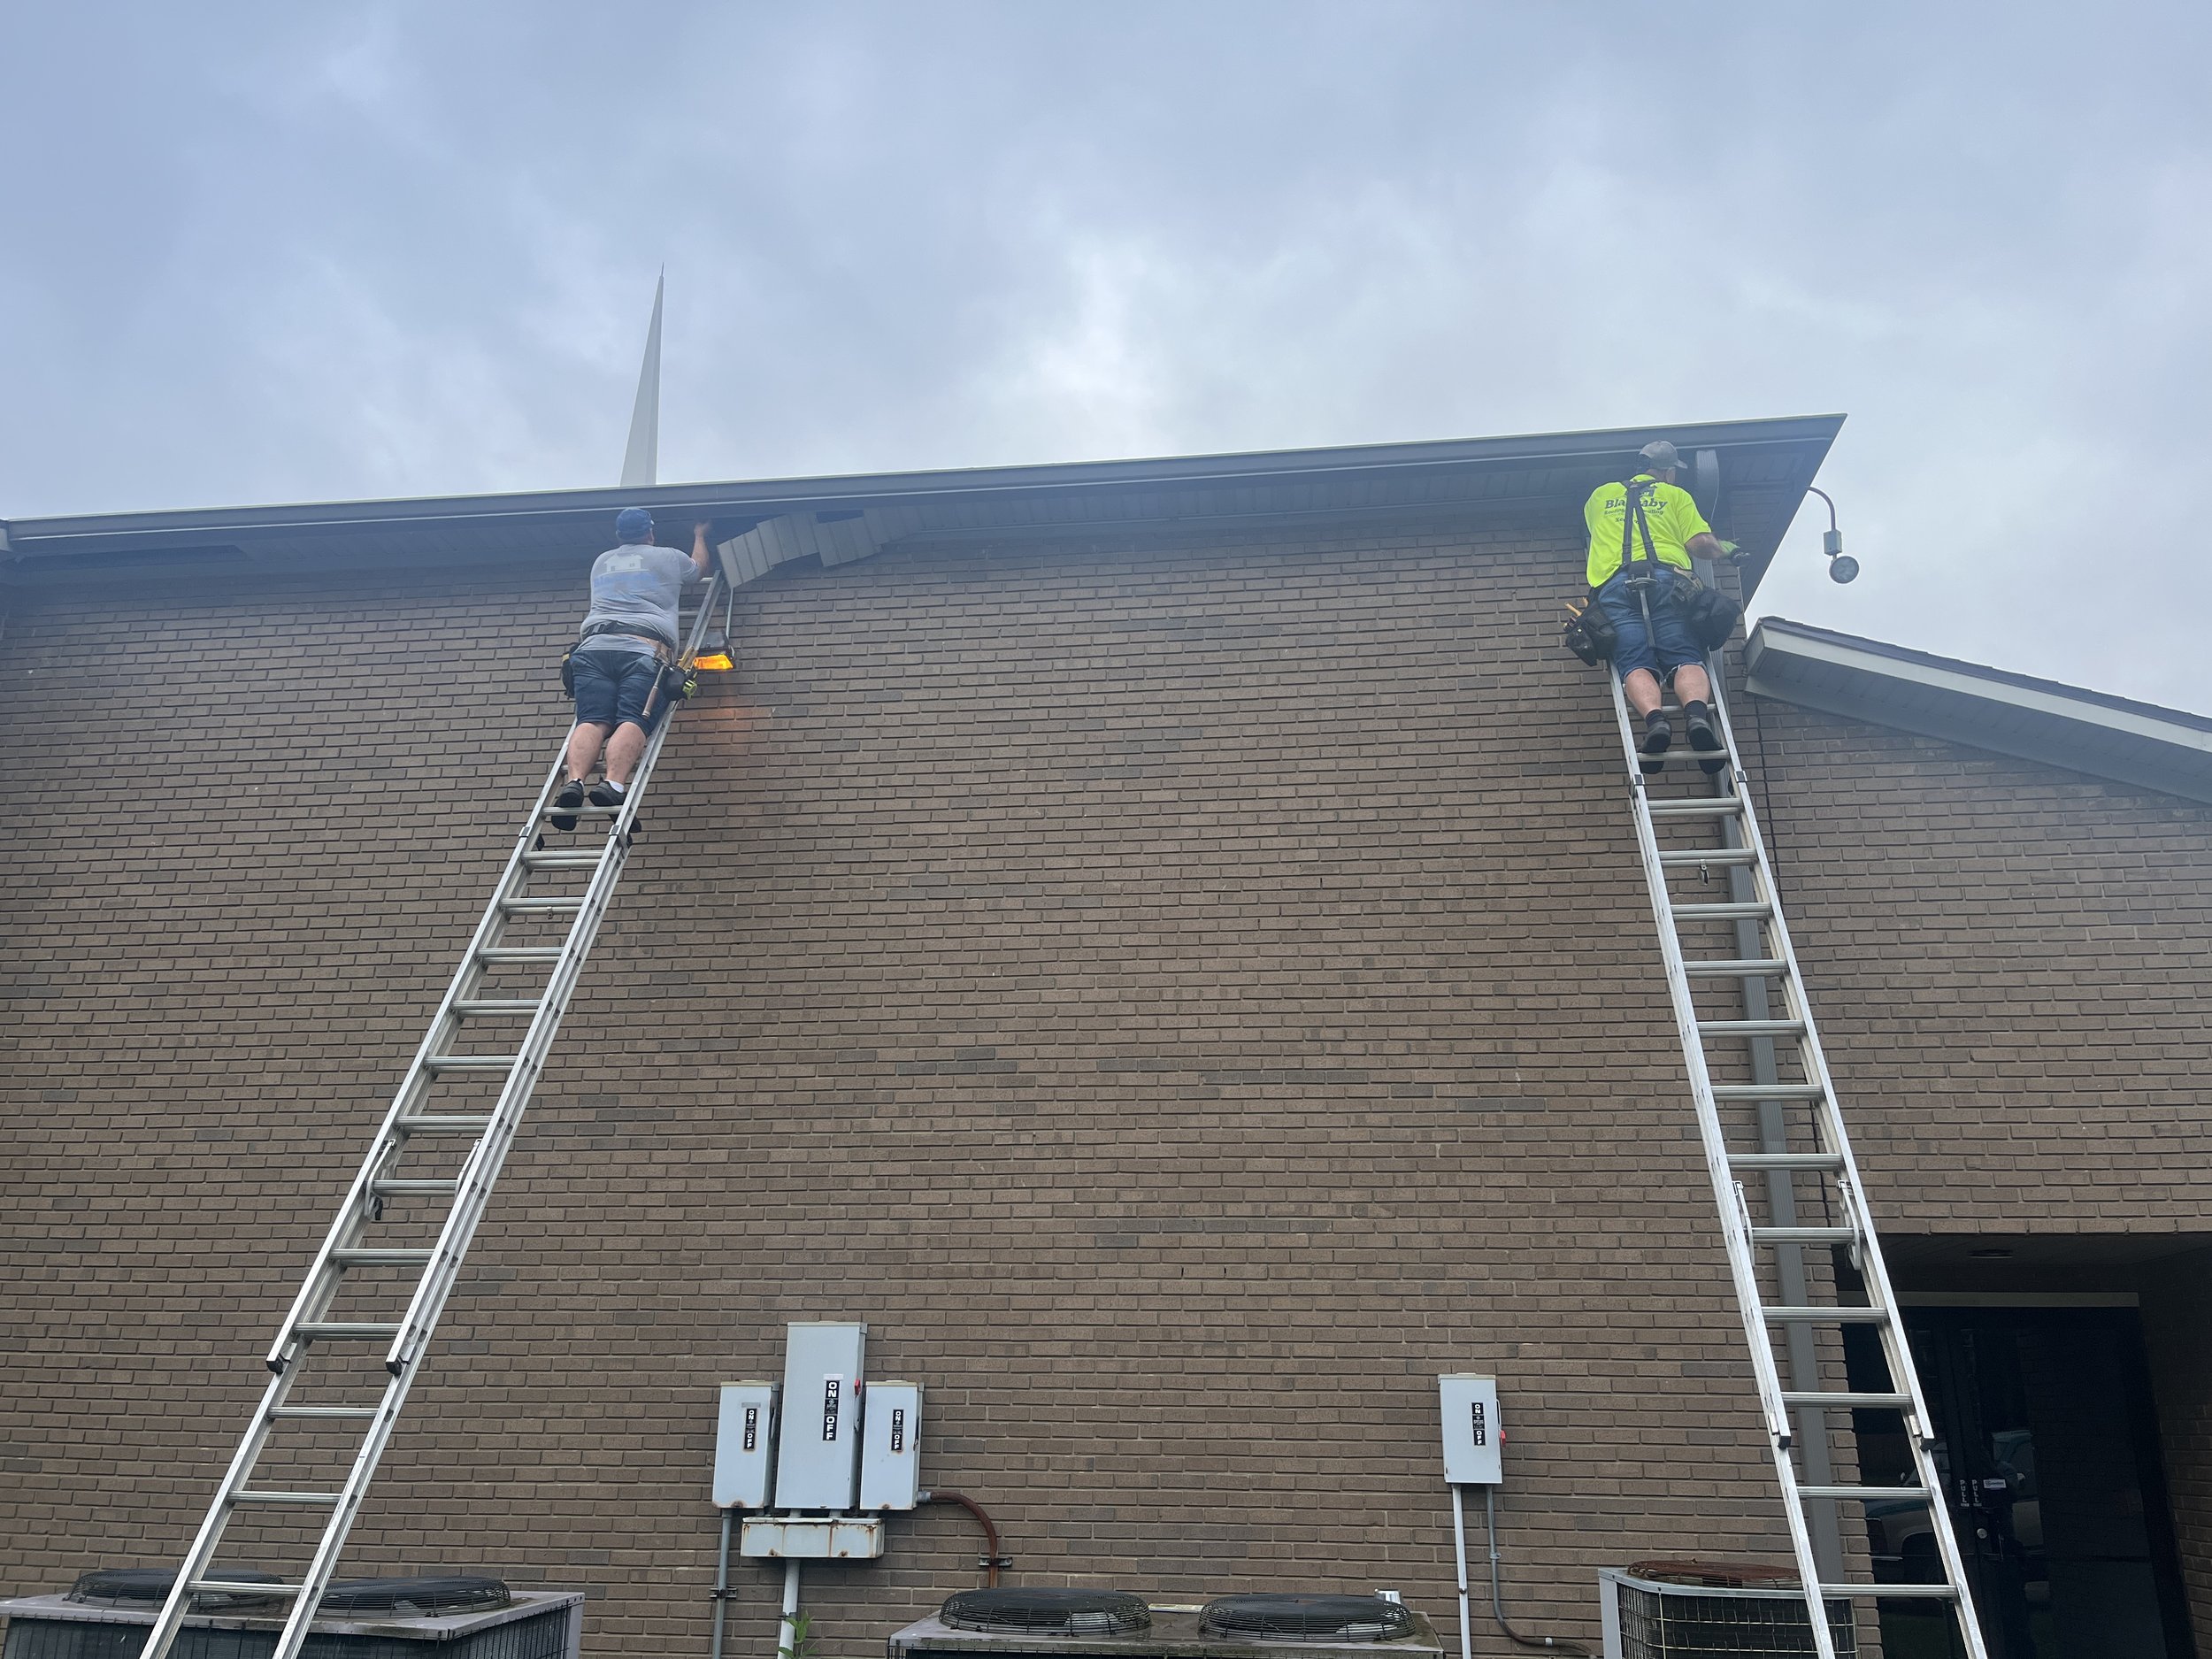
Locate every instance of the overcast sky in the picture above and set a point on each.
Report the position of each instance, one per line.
(293, 252)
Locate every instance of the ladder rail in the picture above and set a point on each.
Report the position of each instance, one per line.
(1904, 1376)
(389, 1137)
(1828, 1115)
(1728, 1195)
(470, 1194)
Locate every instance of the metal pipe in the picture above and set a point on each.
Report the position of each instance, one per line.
(787, 1633)
(991, 1559)
(1459, 1554)
(722, 1578)
(1497, 1592)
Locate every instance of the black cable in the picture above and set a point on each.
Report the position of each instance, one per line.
(1548, 1644)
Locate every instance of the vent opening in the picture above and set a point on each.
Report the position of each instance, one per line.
(1307, 1617)
(149, 1587)
(1048, 1612)
(416, 1598)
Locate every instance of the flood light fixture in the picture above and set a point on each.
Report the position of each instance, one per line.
(1841, 566)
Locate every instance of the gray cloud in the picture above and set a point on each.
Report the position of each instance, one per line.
(281, 253)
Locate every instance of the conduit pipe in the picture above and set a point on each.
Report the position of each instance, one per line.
(722, 1578)
(787, 1633)
(1551, 1644)
(991, 1560)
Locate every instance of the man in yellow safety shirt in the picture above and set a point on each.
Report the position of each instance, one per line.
(1671, 531)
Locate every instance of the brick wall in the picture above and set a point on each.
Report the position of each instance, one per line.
(1183, 996)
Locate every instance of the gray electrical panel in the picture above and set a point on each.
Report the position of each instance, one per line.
(890, 1447)
(744, 1444)
(1472, 1453)
(817, 1452)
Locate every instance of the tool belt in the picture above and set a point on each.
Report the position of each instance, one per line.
(666, 650)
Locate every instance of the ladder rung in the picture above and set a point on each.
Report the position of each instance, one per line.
(585, 810)
(510, 954)
(1745, 911)
(445, 1123)
(497, 1008)
(1849, 1402)
(1752, 1027)
(1696, 806)
(1713, 858)
(470, 1062)
(1737, 967)
(1836, 1315)
(1869, 1494)
(543, 907)
(1803, 1235)
(226, 1586)
(335, 1412)
(325, 1331)
(413, 1188)
(1785, 1160)
(287, 1497)
(559, 861)
(1888, 1592)
(1767, 1091)
(380, 1258)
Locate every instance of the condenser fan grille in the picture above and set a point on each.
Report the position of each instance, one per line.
(416, 1598)
(1042, 1612)
(1307, 1617)
(137, 1586)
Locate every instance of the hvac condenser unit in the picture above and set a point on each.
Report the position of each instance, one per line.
(1660, 1609)
(107, 1615)
(1043, 1623)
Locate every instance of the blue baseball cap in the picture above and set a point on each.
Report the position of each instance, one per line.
(634, 524)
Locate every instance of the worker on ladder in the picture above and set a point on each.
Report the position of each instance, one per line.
(616, 668)
(1643, 535)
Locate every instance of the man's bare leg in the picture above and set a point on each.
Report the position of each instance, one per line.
(1640, 686)
(583, 748)
(623, 751)
(1689, 685)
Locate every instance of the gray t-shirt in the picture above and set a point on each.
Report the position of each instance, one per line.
(637, 583)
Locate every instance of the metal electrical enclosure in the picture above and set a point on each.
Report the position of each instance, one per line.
(744, 1444)
(817, 1452)
(890, 1447)
(1471, 1440)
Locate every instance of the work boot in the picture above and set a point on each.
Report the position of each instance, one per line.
(1658, 738)
(571, 796)
(1704, 740)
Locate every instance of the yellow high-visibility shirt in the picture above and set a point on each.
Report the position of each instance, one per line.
(1673, 516)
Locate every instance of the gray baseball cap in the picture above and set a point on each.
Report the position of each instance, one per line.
(1662, 457)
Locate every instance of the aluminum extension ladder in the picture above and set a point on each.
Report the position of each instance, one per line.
(1783, 1132)
(381, 1246)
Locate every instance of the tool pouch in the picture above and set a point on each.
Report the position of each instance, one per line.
(676, 683)
(1712, 616)
(1589, 633)
(568, 672)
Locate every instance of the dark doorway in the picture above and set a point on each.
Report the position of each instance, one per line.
(2049, 1457)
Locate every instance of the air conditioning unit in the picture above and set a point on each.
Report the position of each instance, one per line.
(1687, 1609)
(1048, 1623)
(107, 1614)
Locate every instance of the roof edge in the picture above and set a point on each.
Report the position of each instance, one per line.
(2044, 720)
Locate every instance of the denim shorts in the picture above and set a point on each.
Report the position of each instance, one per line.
(1667, 645)
(613, 686)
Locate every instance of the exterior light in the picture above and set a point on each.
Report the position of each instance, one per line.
(1841, 566)
(713, 655)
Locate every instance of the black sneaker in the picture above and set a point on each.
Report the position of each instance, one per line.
(1706, 742)
(1658, 738)
(571, 796)
(607, 795)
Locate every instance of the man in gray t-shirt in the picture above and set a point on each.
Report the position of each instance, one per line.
(628, 632)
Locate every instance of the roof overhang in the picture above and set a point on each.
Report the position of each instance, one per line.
(2042, 721)
(1758, 468)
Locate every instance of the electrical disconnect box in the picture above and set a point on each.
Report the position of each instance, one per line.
(1471, 1449)
(817, 1449)
(890, 1447)
(744, 1444)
